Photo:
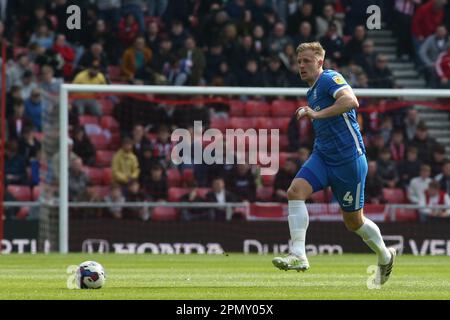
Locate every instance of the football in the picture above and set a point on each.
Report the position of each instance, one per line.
(90, 275)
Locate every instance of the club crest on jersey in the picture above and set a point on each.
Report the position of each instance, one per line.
(339, 79)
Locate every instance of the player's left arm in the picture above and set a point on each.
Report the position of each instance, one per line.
(345, 101)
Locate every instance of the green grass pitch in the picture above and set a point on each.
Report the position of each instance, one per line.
(233, 276)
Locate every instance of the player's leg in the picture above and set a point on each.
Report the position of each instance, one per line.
(304, 184)
(347, 183)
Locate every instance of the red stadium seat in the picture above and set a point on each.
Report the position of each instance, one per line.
(107, 176)
(219, 123)
(406, 215)
(237, 108)
(95, 175)
(104, 158)
(164, 214)
(176, 193)
(243, 123)
(107, 107)
(394, 195)
(173, 178)
(23, 213)
(82, 120)
(115, 142)
(264, 193)
(36, 193)
(108, 122)
(267, 180)
(188, 177)
(283, 108)
(284, 142)
(114, 73)
(257, 109)
(21, 193)
(99, 141)
(274, 123)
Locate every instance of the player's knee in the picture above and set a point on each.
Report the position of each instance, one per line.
(296, 193)
(353, 223)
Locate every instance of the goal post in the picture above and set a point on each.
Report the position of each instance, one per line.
(68, 89)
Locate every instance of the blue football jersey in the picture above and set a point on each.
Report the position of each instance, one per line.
(338, 139)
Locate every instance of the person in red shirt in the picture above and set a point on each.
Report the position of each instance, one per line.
(128, 30)
(443, 67)
(425, 21)
(67, 53)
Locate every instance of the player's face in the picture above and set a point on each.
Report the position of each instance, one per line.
(309, 66)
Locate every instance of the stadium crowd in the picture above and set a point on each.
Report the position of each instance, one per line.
(218, 43)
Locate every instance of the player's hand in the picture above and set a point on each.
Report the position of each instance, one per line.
(305, 111)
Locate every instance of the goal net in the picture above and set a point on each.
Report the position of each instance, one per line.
(122, 167)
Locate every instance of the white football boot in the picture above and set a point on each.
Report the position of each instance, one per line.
(291, 262)
(384, 271)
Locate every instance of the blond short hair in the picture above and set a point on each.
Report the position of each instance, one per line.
(316, 47)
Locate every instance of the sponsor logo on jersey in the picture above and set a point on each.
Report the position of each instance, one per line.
(339, 79)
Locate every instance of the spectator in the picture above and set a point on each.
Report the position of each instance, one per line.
(40, 17)
(408, 168)
(83, 147)
(386, 169)
(29, 146)
(323, 22)
(283, 180)
(367, 58)
(154, 183)
(381, 77)
(424, 144)
(275, 76)
(442, 67)
(125, 165)
(403, 15)
(251, 76)
(244, 52)
(16, 71)
(15, 165)
(304, 34)
(163, 56)
(386, 128)
(103, 36)
(95, 52)
(410, 124)
(43, 36)
(354, 47)
(195, 58)
(134, 194)
(374, 149)
(214, 58)
(333, 44)
(431, 50)
(152, 38)
(225, 77)
(134, 7)
(259, 40)
(109, 10)
(49, 84)
(438, 159)
(78, 182)
(162, 146)
(278, 40)
(425, 21)
(18, 121)
(140, 141)
(128, 30)
(397, 146)
(136, 61)
(219, 195)
(90, 76)
(176, 71)
(67, 54)
(115, 196)
(373, 191)
(177, 35)
(303, 13)
(444, 177)
(242, 182)
(185, 115)
(418, 185)
(189, 214)
(27, 84)
(433, 196)
(33, 108)
(12, 95)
